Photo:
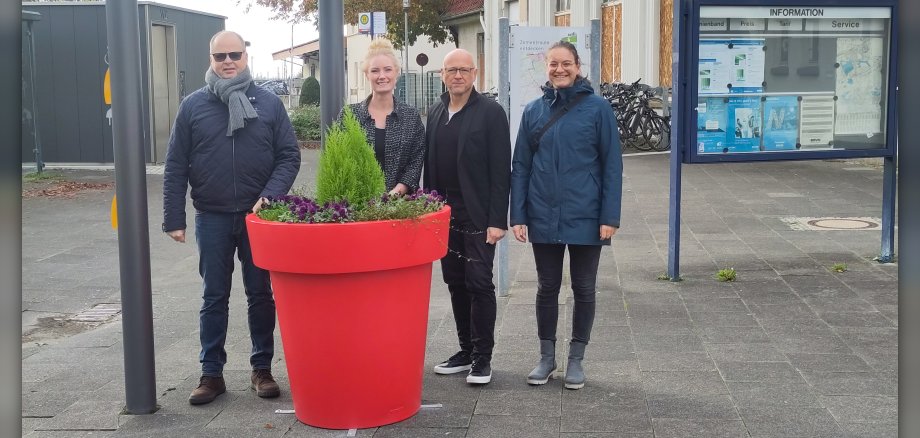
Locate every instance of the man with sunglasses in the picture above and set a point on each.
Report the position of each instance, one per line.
(233, 143)
(469, 161)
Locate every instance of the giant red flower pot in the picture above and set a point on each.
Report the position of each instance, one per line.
(352, 304)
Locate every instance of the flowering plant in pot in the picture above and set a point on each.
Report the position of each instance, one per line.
(349, 184)
(351, 273)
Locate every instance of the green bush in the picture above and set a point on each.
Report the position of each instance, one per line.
(348, 169)
(307, 123)
(309, 92)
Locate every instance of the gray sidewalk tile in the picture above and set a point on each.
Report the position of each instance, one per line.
(710, 428)
(692, 407)
(708, 318)
(784, 421)
(668, 361)
(758, 372)
(683, 382)
(454, 413)
(861, 409)
(621, 419)
(851, 383)
(162, 424)
(740, 352)
(488, 426)
(779, 393)
(679, 343)
(732, 335)
(534, 402)
(87, 415)
(870, 430)
(810, 362)
(661, 326)
(395, 431)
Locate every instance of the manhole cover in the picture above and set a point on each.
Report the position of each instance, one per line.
(833, 223)
(842, 224)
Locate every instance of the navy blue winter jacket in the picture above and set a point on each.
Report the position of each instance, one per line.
(227, 174)
(574, 183)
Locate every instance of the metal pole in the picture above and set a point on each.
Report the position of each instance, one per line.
(504, 98)
(131, 190)
(889, 196)
(908, 128)
(36, 141)
(678, 41)
(595, 40)
(332, 57)
(406, 49)
(291, 76)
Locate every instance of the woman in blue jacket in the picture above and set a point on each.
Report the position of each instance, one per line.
(566, 188)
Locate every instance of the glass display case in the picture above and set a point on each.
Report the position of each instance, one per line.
(783, 81)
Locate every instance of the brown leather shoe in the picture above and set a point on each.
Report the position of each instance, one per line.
(208, 389)
(264, 384)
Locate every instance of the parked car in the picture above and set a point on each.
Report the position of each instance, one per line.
(276, 86)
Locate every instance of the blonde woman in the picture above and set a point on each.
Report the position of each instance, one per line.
(394, 129)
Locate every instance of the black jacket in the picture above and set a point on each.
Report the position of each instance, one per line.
(405, 142)
(227, 174)
(483, 158)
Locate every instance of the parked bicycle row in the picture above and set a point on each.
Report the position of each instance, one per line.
(637, 108)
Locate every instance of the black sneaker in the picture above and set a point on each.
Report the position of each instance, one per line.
(481, 373)
(456, 364)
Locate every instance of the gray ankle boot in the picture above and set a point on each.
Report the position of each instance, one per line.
(574, 374)
(544, 370)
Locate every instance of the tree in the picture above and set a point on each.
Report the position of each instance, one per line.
(309, 92)
(424, 16)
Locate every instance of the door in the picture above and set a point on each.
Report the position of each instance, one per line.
(165, 87)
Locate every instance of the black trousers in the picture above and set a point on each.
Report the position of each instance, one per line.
(467, 270)
(583, 262)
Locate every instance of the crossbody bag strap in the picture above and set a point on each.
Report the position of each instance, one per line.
(535, 140)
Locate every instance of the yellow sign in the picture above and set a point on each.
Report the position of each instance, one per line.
(114, 213)
(107, 88)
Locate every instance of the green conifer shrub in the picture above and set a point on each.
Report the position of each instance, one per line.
(348, 169)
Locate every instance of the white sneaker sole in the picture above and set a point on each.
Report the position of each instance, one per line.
(540, 381)
(444, 370)
(479, 380)
(574, 385)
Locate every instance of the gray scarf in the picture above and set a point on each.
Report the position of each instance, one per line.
(233, 93)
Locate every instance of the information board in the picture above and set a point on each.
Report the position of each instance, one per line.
(780, 80)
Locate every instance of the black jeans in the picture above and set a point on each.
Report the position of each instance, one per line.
(583, 261)
(467, 270)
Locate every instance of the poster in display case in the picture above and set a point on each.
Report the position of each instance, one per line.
(776, 81)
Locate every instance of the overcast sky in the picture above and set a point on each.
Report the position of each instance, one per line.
(265, 35)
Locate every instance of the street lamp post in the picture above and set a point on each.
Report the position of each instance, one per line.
(406, 4)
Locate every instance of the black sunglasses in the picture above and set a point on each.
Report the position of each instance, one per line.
(220, 57)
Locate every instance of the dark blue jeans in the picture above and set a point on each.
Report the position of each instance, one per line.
(219, 236)
(583, 262)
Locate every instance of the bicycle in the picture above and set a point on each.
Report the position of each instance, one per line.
(641, 127)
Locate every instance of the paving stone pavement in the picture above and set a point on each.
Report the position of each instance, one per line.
(789, 349)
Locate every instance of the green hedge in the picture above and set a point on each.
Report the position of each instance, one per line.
(306, 121)
(309, 92)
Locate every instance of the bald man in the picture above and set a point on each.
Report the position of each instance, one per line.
(233, 143)
(469, 161)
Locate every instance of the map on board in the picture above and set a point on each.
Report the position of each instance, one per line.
(527, 56)
(859, 85)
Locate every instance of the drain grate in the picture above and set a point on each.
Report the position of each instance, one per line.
(98, 313)
(833, 223)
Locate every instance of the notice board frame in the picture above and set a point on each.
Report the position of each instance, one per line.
(688, 113)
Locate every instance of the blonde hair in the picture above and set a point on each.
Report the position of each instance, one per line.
(380, 46)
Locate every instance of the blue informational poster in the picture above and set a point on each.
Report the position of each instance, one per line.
(781, 123)
(745, 132)
(712, 125)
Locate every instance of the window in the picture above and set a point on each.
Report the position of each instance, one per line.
(563, 5)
